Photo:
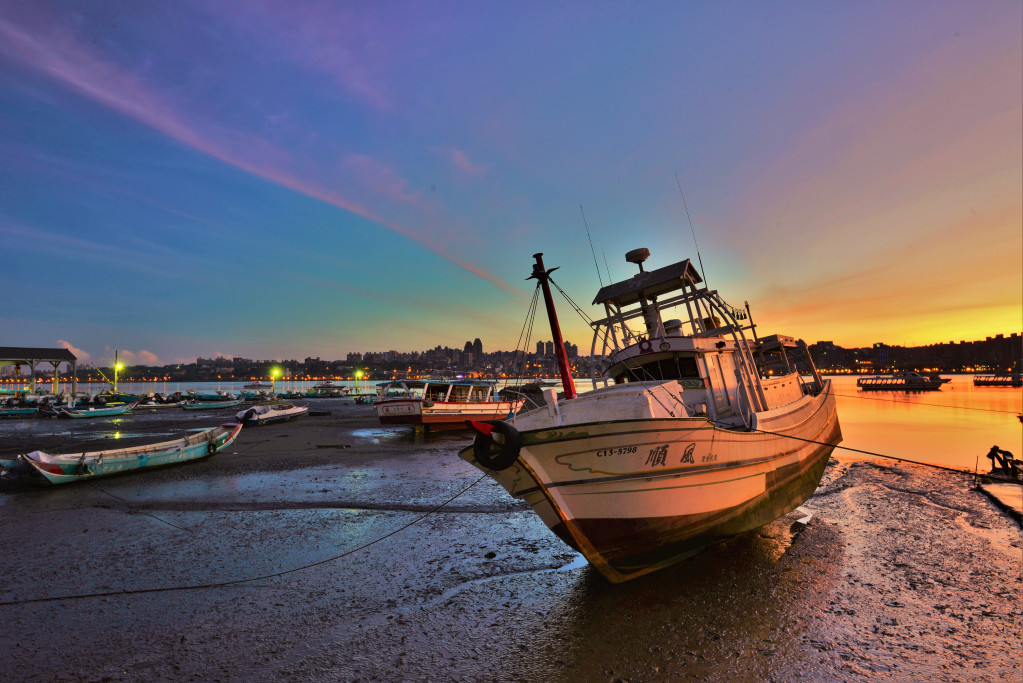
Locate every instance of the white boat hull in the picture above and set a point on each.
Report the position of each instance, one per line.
(634, 495)
(418, 412)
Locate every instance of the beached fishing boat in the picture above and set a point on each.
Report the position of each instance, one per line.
(441, 403)
(81, 413)
(21, 411)
(210, 405)
(903, 381)
(687, 442)
(212, 396)
(67, 467)
(270, 413)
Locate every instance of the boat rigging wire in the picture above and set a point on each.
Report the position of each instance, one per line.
(236, 582)
(592, 251)
(703, 271)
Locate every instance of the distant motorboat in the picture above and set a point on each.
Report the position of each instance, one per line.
(257, 385)
(904, 381)
(270, 413)
(999, 379)
(69, 467)
(330, 384)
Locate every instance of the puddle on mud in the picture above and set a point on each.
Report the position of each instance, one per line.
(378, 434)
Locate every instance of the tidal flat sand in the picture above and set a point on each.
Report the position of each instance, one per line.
(351, 572)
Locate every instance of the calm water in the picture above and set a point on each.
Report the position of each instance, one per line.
(952, 427)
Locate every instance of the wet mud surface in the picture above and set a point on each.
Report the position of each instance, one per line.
(348, 571)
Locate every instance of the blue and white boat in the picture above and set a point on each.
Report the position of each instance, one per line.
(79, 413)
(68, 467)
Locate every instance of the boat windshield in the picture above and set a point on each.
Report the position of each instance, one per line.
(401, 390)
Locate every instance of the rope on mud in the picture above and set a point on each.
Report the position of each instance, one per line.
(235, 582)
(933, 405)
(132, 508)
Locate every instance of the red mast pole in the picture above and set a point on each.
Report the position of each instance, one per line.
(543, 275)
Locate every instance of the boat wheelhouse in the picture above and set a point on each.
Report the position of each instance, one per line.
(701, 429)
(441, 403)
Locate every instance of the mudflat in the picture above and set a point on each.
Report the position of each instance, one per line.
(331, 548)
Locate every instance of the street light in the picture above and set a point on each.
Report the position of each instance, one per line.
(273, 380)
(358, 374)
(117, 367)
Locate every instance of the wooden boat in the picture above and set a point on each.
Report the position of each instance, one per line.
(906, 381)
(81, 413)
(257, 385)
(23, 411)
(211, 396)
(686, 443)
(270, 413)
(999, 379)
(210, 405)
(441, 403)
(68, 467)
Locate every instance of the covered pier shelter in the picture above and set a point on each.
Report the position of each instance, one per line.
(23, 355)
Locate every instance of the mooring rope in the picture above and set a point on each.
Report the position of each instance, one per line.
(846, 448)
(236, 582)
(933, 405)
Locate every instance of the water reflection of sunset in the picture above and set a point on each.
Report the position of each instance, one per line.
(952, 427)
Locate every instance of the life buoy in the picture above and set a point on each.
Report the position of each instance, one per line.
(211, 447)
(496, 455)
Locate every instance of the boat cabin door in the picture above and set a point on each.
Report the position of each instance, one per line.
(720, 367)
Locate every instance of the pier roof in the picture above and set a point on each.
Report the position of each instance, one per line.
(25, 354)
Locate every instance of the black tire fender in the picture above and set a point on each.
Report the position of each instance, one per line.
(497, 454)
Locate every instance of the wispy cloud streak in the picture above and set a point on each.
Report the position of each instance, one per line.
(80, 69)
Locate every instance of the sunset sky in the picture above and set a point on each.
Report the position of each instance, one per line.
(289, 179)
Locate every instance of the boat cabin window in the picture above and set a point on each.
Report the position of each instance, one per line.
(435, 392)
(676, 367)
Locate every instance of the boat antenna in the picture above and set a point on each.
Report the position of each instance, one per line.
(604, 254)
(692, 230)
(591, 245)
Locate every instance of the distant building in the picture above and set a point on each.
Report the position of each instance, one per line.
(477, 352)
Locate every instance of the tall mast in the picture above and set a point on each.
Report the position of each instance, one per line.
(543, 276)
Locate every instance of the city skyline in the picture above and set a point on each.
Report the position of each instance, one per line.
(303, 179)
